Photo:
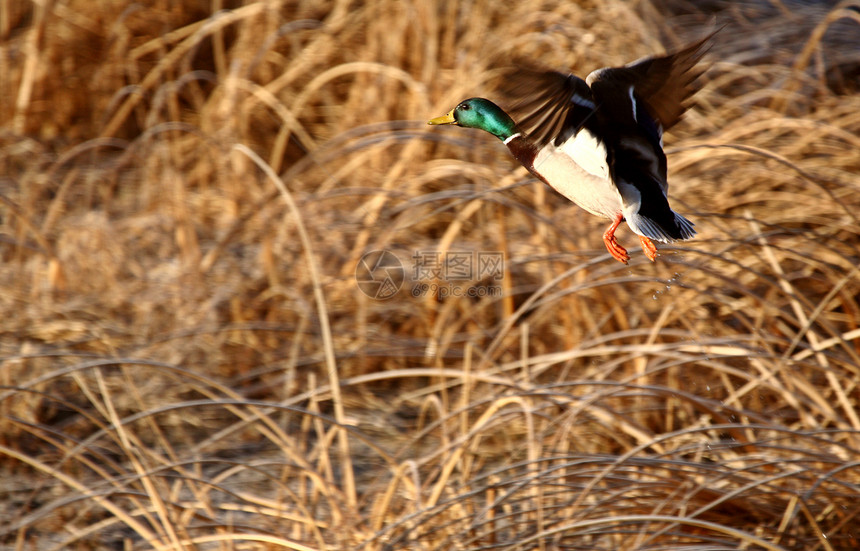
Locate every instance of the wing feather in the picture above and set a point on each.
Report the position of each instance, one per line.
(548, 105)
(663, 83)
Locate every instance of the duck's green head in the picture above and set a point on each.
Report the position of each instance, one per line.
(482, 114)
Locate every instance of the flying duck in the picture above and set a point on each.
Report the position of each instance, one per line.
(599, 141)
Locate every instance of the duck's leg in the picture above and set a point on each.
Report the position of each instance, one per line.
(649, 248)
(617, 251)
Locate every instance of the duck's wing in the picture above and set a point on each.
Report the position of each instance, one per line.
(663, 84)
(548, 106)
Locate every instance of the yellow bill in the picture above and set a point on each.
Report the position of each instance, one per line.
(444, 119)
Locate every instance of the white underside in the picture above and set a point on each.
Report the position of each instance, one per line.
(588, 153)
(578, 170)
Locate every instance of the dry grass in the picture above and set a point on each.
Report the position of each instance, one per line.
(187, 361)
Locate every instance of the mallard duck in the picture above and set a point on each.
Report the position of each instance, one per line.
(599, 141)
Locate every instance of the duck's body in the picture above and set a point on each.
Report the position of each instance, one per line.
(599, 141)
(581, 180)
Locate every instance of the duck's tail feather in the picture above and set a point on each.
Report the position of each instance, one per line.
(681, 229)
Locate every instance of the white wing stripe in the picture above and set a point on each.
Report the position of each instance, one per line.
(633, 103)
(582, 102)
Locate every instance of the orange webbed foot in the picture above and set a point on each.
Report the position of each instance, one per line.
(618, 252)
(649, 248)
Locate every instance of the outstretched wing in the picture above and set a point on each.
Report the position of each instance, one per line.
(549, 106)
(663, 84)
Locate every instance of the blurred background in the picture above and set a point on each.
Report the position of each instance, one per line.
(196, 352)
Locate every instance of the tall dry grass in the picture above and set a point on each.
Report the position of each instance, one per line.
(187, 361)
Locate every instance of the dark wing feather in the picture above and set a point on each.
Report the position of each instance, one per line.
(663, 83)
(548, 106)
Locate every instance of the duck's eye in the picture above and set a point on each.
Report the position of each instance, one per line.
(465, 107)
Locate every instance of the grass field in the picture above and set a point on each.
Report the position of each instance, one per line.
(188, 362)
